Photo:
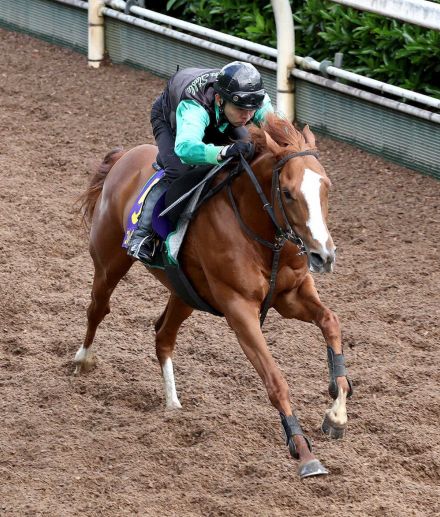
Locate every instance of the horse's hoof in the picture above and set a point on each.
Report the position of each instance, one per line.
(331, 430)
(81, 368)
(84, 366)
(173, 406)
(312, 468)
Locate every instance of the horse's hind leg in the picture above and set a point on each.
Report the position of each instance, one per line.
(167, 327)
(304, 304)
(104, 283)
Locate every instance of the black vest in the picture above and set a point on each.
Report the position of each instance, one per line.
(195, 84)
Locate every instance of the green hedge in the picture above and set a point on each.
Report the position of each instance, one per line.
(397, 53)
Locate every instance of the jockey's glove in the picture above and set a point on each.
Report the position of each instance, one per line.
(234, 150)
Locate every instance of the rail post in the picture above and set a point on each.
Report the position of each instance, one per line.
(286, 57)
(96, 33)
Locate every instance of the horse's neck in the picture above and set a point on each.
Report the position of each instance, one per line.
(250, 203)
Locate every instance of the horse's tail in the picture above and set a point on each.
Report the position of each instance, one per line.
(87, 200)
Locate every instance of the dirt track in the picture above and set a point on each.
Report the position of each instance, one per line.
(102, 444)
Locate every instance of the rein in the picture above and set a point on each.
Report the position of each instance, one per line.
(282, 235)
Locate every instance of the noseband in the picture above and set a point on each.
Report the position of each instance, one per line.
(282, 235)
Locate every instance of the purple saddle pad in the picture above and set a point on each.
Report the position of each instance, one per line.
(160, 224)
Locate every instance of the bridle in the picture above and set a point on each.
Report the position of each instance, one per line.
(282, 234)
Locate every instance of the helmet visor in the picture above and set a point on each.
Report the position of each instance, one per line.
(246, 100)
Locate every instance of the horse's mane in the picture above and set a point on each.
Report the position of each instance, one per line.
(282, 132)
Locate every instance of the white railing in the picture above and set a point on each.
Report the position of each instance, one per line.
(418, 12)
(75, 3)
(307, 64)
(193, 28)
(187, 38)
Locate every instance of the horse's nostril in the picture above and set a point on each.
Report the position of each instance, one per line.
(316, 259)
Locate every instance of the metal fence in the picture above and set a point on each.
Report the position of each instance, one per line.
(401, 137)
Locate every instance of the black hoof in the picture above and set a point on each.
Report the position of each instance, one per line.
(331, 430)
(312, 468)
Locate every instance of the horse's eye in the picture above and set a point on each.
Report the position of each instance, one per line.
(287, 194)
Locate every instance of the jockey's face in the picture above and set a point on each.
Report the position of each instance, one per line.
(236, 116)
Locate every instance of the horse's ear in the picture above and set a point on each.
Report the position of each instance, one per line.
(309, 136)
(271, 144)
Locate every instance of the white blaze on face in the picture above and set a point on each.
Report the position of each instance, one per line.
(310, 188)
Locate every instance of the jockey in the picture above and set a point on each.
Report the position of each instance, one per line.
(200, 119)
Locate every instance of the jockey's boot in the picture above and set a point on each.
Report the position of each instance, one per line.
(143, 241)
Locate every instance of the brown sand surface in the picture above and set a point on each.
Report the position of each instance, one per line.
(101, 443)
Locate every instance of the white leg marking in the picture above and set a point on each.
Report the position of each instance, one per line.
(338, 412)
(82, 359)
(310, 188)
(81, 355)
(172, 402)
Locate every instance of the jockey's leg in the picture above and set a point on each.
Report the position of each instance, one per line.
(143, 241)
(304, 304)
(167, 327)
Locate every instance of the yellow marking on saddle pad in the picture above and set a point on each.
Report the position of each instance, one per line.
(135, 215)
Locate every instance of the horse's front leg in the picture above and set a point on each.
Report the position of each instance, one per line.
(243, 318)
(304, 304)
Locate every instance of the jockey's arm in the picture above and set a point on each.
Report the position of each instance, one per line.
(191, 121)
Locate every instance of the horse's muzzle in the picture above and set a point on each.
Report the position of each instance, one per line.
(320, 263)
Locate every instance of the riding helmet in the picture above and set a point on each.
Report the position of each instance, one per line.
(241, 84)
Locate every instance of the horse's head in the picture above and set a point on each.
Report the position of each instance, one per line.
(304, 187)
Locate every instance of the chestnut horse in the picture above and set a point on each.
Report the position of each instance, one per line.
(228, 257)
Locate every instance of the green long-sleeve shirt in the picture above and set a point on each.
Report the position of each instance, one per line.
(191, 122)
